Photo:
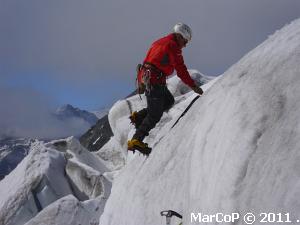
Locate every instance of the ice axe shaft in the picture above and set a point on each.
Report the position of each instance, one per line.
(187, 108)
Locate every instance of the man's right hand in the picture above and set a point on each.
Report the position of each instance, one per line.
(197, 89)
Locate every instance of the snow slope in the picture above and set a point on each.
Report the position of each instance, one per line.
(235, 151)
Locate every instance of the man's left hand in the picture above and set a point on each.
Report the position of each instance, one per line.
(197, 89)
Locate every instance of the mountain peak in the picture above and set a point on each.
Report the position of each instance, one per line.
(66, 107)
(68, 111)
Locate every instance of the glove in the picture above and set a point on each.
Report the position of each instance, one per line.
(197, 89)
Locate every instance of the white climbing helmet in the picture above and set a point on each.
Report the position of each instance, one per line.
(184, 30)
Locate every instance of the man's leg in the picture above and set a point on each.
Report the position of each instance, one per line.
(138, 117)
(169, 99)
(155, 108)
(142, 113)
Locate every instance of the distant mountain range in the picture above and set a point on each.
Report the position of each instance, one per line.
(68, 111)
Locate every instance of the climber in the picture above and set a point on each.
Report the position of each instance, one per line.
(162, 58)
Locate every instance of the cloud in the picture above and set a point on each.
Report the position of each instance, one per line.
(84, 40)
(26, 113)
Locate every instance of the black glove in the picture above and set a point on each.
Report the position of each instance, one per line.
(197, 89)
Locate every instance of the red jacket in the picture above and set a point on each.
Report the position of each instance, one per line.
(166, 55)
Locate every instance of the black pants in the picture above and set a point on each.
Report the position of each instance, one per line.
(159, 99)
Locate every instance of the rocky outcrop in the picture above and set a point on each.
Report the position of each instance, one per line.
(97, 136)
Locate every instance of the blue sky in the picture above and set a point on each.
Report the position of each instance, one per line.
(92, 95)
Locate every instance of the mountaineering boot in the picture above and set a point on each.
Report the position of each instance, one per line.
(136, 118)
(133, 117)
(135, 144)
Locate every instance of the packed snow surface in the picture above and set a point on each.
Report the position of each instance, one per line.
(235, 151)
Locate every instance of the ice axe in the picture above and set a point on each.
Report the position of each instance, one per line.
(168, 214)
(187, 108)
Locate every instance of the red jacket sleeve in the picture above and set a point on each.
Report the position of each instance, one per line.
(180, 67)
